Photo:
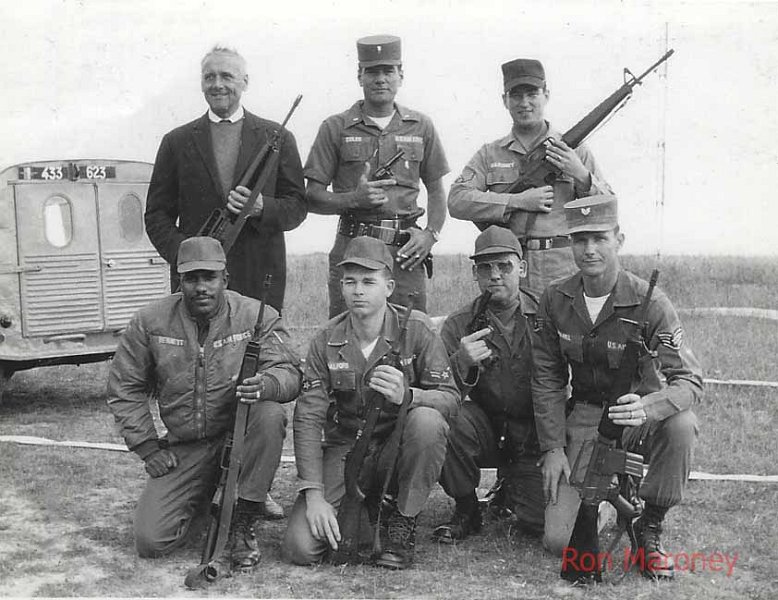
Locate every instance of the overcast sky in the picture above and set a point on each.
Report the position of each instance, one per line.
(106, 79)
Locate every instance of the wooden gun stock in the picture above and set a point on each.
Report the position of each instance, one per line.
(211, 568)
(223, 224)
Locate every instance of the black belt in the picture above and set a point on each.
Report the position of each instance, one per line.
(389, 231)
(558, 241)
(594, 399)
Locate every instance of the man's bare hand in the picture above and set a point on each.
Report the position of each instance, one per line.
(564, 158)
(537, 199)
(388, 381)
(416, 250)
(322, 518)
(473, 349)
(628, 411)
(237, 199)
(370, 194)
(553, 465)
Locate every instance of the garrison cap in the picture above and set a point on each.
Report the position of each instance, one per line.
(200, 254)
(496, 240)
(523, 71)
(368, 252)
(377, 50)
(592, 213)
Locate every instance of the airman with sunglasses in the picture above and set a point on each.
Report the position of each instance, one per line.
(492, 367)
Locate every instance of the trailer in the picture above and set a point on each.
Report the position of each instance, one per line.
(75, 261)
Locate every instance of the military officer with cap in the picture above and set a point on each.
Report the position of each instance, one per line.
(347, 358)
(580, 340)
(489, 345)
(535, 215)
(187, 348)
(351, 146)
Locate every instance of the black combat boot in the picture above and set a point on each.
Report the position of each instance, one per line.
(400, 543)
(465, 520)
(655, 562)
(243, 546)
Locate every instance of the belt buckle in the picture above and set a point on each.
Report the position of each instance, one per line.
(533, 244)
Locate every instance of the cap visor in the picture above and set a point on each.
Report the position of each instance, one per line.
(589, 227)
(373, 265)
(533, 81)
(495, 250)
(201, 265)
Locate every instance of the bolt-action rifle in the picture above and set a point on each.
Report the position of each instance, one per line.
(223, 224)
(608, 462)
(536, 171)
(212, 566)
(350, 510)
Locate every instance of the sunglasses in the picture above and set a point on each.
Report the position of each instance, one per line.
(485, 269)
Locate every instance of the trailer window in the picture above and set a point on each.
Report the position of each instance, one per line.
(58, 221)
(131, 217)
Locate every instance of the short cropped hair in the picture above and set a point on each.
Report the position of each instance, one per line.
(220, 49)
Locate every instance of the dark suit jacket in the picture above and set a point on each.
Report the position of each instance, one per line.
(185, 189)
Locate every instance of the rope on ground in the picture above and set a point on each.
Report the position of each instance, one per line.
(732, 311)
(287, 458)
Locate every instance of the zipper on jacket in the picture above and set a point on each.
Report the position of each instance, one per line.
(199, 400)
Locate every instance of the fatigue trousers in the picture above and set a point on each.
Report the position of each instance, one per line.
(543, 267)
(406, 282)
(665, 445)
(421, 455)
(472, 446)
(168, 504)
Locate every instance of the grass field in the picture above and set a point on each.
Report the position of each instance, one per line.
(66, 514)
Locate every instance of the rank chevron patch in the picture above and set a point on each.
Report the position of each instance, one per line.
(673, 340)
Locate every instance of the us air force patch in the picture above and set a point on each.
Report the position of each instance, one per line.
(673, 340)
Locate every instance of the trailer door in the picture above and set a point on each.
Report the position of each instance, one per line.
(133, 273)
(58, 253)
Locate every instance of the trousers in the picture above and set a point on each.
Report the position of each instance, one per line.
(421, 455)
(168, 504)
(472, 446)
(666, 445)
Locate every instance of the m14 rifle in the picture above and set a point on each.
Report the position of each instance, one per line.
(608, 462)
(350, 510)
(212, 566)
(223, 224)
(536, 171)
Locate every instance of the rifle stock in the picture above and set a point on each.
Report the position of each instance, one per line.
(223, 224)
(608, 460)
(225, 497)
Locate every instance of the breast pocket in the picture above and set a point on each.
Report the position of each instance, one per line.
(343, 380)
(572, 347)
(352, 150)
(500, 178)
(409, 166)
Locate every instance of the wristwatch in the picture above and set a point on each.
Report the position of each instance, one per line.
(435, 234)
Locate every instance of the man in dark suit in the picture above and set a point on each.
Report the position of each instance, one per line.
(196, 170)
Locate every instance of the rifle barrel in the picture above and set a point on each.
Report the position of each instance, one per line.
(667, 55)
